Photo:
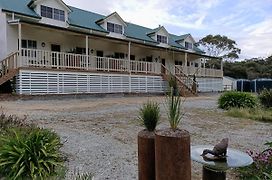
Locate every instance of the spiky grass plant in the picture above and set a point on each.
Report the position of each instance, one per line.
(173, 108)
(32, 156)
(149, 115)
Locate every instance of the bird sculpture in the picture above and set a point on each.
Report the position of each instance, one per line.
(219, 150)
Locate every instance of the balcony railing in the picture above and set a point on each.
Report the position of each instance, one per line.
(61, 60)
(204, 72)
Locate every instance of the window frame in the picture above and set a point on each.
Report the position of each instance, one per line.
(52, 13)
(188, 45)
(115, 28)
(162, 39)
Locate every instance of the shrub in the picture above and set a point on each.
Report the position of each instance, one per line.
(258, 114)
(149, 115)
(236, 99)
(11, 121)
(265, 98)
(174, 111)
(261, 167)
(32, 156)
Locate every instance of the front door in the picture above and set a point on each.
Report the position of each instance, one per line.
(55, 55)
(163, 68)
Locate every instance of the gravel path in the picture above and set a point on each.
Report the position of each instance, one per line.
(100, 134)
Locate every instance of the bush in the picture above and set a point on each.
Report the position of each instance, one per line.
(30, 156)
(261, 167)
(258, 114)
(265, 98)
(237, 99)
(149, 115)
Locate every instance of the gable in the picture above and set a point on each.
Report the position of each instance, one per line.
(190, 39)
(55, 3)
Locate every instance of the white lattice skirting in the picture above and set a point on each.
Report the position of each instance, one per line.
(54, 82)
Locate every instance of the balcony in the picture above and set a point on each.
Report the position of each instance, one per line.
(200, 72)
(68, 61)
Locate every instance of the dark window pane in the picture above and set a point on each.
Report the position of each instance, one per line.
(162, 39)
(43, 11)
(110, 27)
(24, 43)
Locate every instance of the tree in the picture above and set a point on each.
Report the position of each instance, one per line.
(219, 46)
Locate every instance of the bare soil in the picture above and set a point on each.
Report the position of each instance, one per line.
(99, 135)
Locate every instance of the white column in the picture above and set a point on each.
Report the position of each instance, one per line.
(87, 51)
(222, 67)
(20, 44)
(129, 44)
(185, 63)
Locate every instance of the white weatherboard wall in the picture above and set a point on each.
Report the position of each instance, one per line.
(209, 84)
(3, 35)
(54, 82)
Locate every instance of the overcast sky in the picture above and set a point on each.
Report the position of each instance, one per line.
(248, 22)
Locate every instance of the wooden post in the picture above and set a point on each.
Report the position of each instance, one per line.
(87, 52)
(129, 64)
(20, 44)
(185, 63)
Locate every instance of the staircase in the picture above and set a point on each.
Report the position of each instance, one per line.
(9, 68)
(186, 85)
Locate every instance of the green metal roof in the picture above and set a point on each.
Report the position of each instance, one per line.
(86, 19)
(18, 6)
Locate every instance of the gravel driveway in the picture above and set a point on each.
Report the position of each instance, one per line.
(100, 134)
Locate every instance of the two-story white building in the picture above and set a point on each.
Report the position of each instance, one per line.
(53, 48)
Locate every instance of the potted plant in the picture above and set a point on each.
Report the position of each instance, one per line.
(172, 145)
(149, 115)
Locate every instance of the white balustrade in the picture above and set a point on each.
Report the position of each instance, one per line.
(61, 60)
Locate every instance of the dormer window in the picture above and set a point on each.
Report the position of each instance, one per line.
(52, 13)
(162, 39)
(188, 45)
(116, 28)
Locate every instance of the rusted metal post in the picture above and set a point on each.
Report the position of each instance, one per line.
(172, 153)
(209, 174)
(146, 155)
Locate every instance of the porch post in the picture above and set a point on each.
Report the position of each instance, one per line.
(87, 51)
(204, 66)
(129, 69)
(222, 67)
(185, 63)
(20, 44)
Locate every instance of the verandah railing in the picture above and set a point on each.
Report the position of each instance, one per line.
(61, 60)
(198, 71)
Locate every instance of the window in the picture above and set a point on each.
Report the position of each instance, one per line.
(99, 53)
(132, 57)
(59, 15)
(162, 39)
(46, 12)
(118, 55)
(116, 28)
(178, 63)
(52, 13)
(188, 45)
(80, 50)
(29, 44)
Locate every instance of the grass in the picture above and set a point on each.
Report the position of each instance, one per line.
(258, 114)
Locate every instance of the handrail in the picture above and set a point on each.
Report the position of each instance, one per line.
(9, 63)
